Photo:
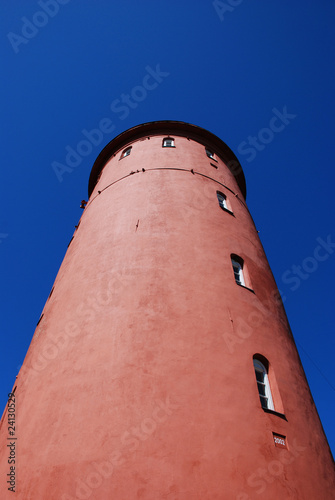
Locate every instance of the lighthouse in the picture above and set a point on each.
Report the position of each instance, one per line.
(163, 365)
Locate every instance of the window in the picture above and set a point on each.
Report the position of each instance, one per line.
(263, 385)
(210, 154)
(223, 202)
(237, 264)
(222, 199)
(168, 142)
(241, 273)
(126, 152)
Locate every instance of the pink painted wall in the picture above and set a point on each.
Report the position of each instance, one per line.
(139, 381)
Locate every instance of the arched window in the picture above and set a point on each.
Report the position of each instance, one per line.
(222, 199)
(263, 385)
(126, 152)
(168, 142)
(210, 154)
(237, 264)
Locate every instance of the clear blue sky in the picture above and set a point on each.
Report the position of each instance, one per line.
(230, 72)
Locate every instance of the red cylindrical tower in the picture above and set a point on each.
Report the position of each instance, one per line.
(163, 366)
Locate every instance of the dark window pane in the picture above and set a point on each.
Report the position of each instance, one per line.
(261, 389)
(264, 401)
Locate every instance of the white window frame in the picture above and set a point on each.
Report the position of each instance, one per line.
(126, 152)
(168, 142)
(259, 367)
(238, 272)
(222, 199)
(210, 154)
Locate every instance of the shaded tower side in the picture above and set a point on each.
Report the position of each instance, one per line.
(140, 378)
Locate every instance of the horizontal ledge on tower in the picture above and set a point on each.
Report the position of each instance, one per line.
(280, 415)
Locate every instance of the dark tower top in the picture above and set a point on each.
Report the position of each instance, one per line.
(169, 127)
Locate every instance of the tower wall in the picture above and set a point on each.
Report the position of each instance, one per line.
(139, 381)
